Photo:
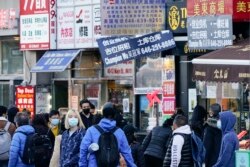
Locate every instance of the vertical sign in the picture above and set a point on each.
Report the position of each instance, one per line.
(168, 105)
(52, 24)
(34, 24)
(25, 98)
(65, 28)
(96, 23)
(83, 26)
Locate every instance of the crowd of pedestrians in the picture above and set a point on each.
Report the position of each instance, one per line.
(86, 139)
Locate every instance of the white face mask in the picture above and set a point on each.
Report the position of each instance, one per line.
(219, 124)
(73, 122)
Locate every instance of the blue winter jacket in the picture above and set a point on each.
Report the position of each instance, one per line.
(92, 135)
(70, 148)
(17, 146)
(229, 143)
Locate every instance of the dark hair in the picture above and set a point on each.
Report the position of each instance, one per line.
(199, 114)
(12, 113)
(53, 112)
(3, 110)
(84, 101)
(216, 109)
(97, 118)
(180, 120)
(39, 119)
(167, 123)
(46, 117)
(22, 118)
(92, 106)
(179, 111)
(109, 113)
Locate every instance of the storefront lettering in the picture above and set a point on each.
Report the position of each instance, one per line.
(220, 74)
(244, 75)
(188, 50)
(177, 17)
(200, 73)
(7, 18)
(243, 7)
(207, 7)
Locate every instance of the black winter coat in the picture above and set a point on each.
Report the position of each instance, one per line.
(137, 154)
(212, 143)
(156, 142)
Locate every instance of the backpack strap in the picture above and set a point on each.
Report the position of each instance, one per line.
(7, 126)
(99, 129)
(113, 130)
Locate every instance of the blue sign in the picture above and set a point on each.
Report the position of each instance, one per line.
(115, 51)
(55, 61)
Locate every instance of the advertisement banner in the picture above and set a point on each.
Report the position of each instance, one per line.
(43, 103)
(65, 28)
(25, 98)
(176, 16)
(34, 25)
(125, 69)
(96, 24)
(61, 3)
(209, 7)
(83, 26)
(52, 24)
(8, 18)
(168, 105)
(210, 32)
(168, 89)
(132, 17)
(113, 53)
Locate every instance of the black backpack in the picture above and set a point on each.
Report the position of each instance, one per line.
(37, 149)
(108, 153)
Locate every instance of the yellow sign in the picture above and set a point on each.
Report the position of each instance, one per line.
(177, 17)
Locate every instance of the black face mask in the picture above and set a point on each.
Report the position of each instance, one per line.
(86, 111)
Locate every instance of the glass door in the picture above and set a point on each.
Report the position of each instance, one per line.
(4, 93)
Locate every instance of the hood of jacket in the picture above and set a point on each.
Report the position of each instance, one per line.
(107, 124)
(26, 129)
(183, 129)
(228, 120)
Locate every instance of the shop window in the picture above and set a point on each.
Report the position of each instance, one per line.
(11, 57)
(149, 72)
(88, 65)
(4, 93)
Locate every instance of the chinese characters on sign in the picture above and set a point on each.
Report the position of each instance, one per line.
(209, 7)
(125, 69)
(135, 47)
(208, 32)
(168, 88)
(176, 16)
(25, 98)
(79, 24)
(35, 25)
(241, 10)
(168, 105)
(55, 61)
(132, 17)
(7, 18)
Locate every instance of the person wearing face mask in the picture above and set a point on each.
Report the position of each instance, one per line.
(86, 116)
(54, 122)
(212, 135)
(71, 139)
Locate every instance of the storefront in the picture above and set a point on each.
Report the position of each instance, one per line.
(223, 77)
(11, 58)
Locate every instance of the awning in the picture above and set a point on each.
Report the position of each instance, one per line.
(230, 64)
(55, 61)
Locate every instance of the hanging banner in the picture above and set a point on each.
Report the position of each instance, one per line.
(209, 7)
(132, 17)
(135, 47)
(25, 98)
(210, 32)
(35, 24)
(168, 88)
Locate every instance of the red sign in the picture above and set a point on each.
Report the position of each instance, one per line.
(36, 17)
(168, 105)
(241, 10)
(209, 7)
(168, 89)
(25, 98)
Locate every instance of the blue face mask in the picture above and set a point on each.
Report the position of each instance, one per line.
(219, 124)
(55, 121)
(73, 122)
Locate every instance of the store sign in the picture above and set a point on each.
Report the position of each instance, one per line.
(35, 24)
(8, 19)
(25, 98)
(79, 24)
(176, 18)
(241, 10)
(125, 69)
(209, 7)
(135, 47)
(132, 17)
(42, 103)
(168, 105)
(168, 88)
(210, 32)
